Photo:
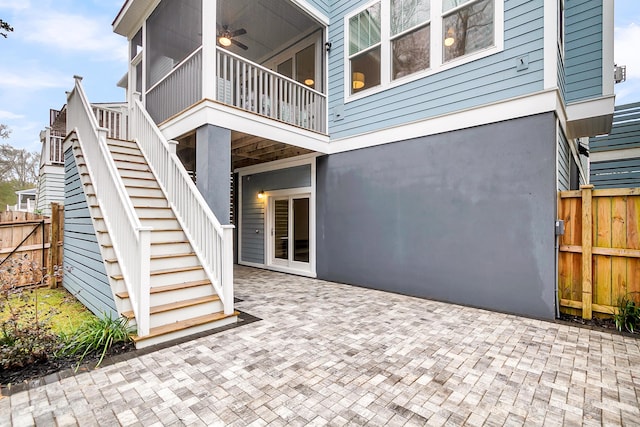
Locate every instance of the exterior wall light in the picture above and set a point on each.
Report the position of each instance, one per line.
(261, 195)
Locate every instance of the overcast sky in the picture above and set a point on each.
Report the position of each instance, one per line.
(53, 40)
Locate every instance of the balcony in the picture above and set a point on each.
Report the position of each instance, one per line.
(273, 63)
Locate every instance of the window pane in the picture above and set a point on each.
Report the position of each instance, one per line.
(364, 29)
(286, 68)
(468, 29)
(301, 230)
(136, 44)
(450, 4)
(281, 221)
(306, 66)
(411, 52)
(365, 70)
(407, 14)
(174, 31)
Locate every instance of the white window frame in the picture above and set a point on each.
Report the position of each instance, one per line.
(436, 61)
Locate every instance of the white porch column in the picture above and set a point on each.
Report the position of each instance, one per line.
(209, 33)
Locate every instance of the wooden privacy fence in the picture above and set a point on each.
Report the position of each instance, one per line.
(31, 244)
(599, 257)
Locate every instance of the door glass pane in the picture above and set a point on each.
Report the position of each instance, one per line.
(306, 66)
(301, 230)
(286, 68)
(281, 229)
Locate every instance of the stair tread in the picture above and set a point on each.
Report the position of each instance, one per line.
(165, 271)
(172, 242)
(158, 257)
(137, 162)
(176, 305)
(182, 325)
(168, 288)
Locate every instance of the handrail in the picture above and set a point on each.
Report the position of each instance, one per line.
(211, 241)
(131, 241)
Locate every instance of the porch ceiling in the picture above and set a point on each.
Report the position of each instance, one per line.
(247, 150)
(271, 25)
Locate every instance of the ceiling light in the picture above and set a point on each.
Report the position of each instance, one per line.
(309, 82)
(224, 41)
(449, 40)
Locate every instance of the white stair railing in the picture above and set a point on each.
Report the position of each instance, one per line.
(131, 241)
(211, 241)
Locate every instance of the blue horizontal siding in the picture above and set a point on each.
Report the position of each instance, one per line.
(625, 132)
(84, 272)
(253, 210)
(485, 80)
(583, 49)
(616, 174)
(564, 162)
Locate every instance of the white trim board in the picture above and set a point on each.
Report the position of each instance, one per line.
(606, 156)
(217, 114)
(527, 105)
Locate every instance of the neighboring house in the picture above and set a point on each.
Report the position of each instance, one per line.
(51, 174)
(615, 158)
(26, 201)
(410, 146)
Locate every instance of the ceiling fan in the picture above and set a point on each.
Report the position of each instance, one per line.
(227, 37)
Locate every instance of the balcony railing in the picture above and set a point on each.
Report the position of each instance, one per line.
(251, 87)
(178, 90)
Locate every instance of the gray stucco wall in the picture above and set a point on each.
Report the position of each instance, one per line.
(213, 169)
(465, 216)
(253, 227)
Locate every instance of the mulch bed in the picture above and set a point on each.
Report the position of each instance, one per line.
(605, 324)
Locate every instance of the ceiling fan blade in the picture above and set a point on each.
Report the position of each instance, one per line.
(240, 45)
(238, 32)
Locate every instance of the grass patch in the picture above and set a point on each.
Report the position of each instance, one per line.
(67, 313)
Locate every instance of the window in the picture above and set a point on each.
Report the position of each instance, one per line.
(467, 27)
(364, 48)
(390, 40)
(410, 36)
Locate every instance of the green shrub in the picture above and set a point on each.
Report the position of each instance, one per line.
(25, 333)
(628, 315)
(97, 336)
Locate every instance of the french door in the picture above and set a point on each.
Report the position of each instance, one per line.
(289, 232)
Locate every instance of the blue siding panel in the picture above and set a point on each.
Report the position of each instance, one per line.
(625, 132)
(583, 49)
(253, 210)
(564, 162)
(485, 80)
(616, 174)
(84, 272)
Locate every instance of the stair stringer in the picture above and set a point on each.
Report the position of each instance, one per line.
(104, 241)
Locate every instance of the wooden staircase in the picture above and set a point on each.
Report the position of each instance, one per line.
(183, 300)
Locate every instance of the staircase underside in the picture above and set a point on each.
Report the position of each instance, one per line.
(183, 300)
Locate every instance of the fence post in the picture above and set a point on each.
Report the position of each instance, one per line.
(587, 244)
(54, 238)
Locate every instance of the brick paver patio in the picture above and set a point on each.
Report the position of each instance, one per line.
(329, 354)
